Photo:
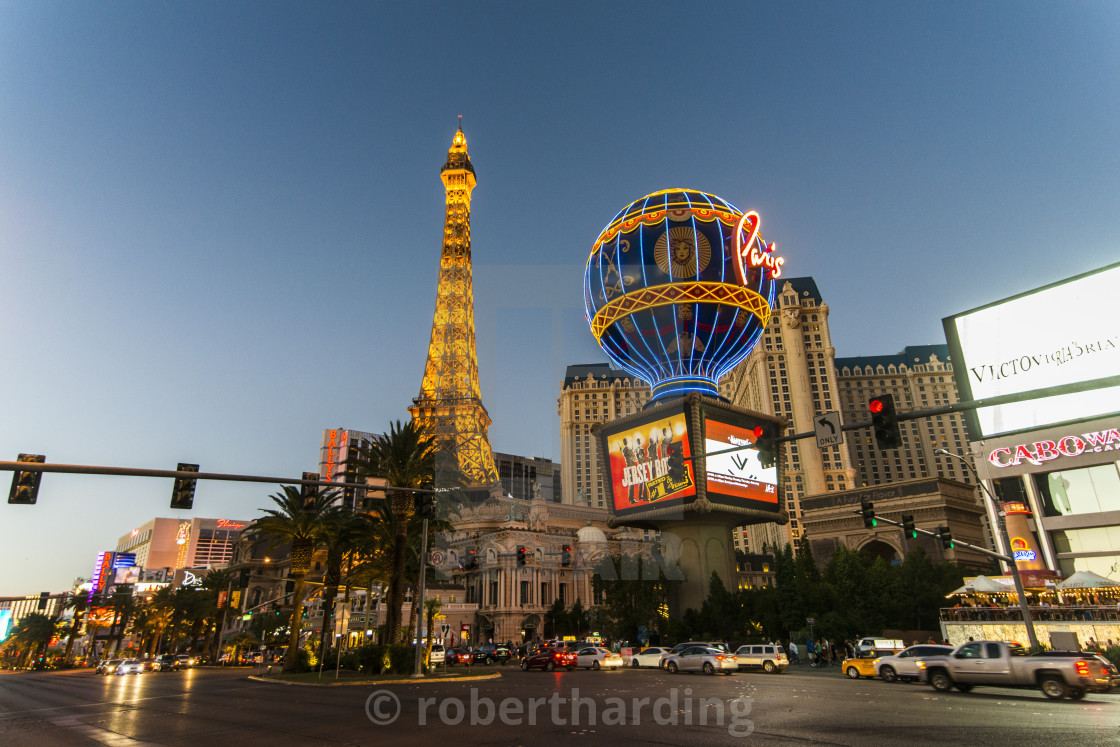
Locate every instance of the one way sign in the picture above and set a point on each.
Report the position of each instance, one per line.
(827, 427)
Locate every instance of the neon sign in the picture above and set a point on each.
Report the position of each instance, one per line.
(226, 523)
(748, 253)
(1044, 451)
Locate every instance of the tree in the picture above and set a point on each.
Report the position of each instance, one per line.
(81, 605)
(301, 527)
(404, 458)
(343, 532)
(33, 633)
(629, 602)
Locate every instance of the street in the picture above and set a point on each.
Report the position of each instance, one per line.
(219, 706)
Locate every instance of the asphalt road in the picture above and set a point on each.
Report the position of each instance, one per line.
(213, 707)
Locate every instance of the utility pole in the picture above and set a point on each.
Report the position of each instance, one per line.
(1006, 540)
(420, 594)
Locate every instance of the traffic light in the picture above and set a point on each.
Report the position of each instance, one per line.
(243, 578)
(182, 495)
(867, 508)
(677, 471)
(308, 493)
(521, 551)
(25, 485)
(946, 537)
(44, 596)
(908, 526)
(566, 556)
(764, 442)
(472, 559)
(426, 506)
(884, 422)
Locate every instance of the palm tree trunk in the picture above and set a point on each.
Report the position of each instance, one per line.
(291, 657)
(397, 582)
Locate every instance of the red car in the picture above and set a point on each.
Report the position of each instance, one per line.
(549, 659)
(457, 656)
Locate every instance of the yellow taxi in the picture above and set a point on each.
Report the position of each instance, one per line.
(863, 665)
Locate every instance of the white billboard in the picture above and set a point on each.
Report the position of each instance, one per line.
(1060, 334)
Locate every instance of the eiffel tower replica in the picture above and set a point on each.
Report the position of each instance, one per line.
(450, 406)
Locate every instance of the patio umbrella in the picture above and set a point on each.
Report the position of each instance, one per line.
(981, 585)
(1086, 580)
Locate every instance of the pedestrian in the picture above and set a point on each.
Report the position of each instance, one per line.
(811, 652)
(793, 657)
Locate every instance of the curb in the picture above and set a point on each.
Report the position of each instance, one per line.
(352, 683)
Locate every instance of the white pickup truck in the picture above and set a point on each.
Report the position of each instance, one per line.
(998, 664)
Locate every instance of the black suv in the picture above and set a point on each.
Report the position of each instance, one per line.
(488, 653)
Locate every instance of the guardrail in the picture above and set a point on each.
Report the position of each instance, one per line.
(1014, 614)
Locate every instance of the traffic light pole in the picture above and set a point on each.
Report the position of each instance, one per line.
(420, 596)
(956, 542)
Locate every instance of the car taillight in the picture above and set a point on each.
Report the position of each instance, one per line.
(1082, 668)
(720, 657)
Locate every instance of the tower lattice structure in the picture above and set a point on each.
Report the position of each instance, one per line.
(450, 406)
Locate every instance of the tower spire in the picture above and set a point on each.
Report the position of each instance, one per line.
(449, 406)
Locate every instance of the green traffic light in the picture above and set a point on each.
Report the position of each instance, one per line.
(874, 522)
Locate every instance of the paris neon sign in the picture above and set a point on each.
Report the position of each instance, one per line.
(754, 252)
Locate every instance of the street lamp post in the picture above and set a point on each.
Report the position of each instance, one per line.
(1002, 523)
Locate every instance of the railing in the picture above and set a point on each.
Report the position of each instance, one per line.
(1040, 613)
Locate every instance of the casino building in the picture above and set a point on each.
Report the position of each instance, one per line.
(182, 543)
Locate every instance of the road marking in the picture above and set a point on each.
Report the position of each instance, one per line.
(97, 734)
(7, 714)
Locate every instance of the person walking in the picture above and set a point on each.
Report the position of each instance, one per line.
(793, 657)
(811, 652)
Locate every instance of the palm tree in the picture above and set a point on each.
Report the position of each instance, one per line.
(216, 581)
(33, 631)
(302, 528)
(343, 534)
(404, 457)
(80, 604)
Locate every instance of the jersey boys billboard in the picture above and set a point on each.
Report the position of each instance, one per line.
(638, 460)
(738, 477)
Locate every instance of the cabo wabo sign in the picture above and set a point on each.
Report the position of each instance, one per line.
(1039, 452)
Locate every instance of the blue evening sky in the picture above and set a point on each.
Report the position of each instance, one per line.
(220, 222)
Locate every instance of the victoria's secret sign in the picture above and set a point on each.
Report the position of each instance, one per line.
(1038, 452)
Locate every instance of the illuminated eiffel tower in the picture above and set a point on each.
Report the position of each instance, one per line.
(449, 406)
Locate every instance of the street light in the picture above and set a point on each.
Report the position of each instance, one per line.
(1001, 521)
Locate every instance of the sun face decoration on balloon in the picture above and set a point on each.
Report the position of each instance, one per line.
(678, 289)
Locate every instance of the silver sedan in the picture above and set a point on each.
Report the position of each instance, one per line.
(701, 659)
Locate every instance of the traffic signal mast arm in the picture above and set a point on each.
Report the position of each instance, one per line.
(956, 542)
(137, 472)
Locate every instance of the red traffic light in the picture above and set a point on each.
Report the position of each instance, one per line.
(521, 549)
(875, 405)
(758, 432)
(567, 548)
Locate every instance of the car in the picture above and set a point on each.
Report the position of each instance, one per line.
(648, 657)
(488, 653)
(903, 666)
(165, 663)
(769, 657)
(682, 646)
(148, 665)
(549, 659)
(596, 657)
(701, 659)
(108, 666)
(130, 666)
(455, 656)
(186, 660)
(438, 654)
(863, 664)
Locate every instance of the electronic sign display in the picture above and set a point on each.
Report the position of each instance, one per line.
(638, 453)
(1055, 335)
(737, 477)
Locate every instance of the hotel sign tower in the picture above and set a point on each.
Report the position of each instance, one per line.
(449, 406)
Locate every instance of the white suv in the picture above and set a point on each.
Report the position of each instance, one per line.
(439, 655)
(769, 657)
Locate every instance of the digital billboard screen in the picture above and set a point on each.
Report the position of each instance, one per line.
(638, 462)
(737, 477)
(1048, 337)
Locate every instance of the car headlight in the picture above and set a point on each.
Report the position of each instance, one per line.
(920, 664)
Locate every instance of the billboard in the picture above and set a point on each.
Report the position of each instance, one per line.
(1060, 334)
(737, 477)
(5, 623)
(638, 461)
